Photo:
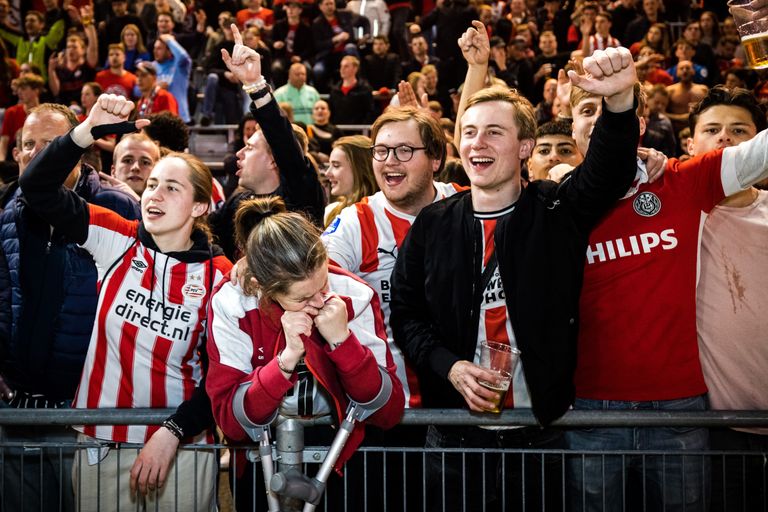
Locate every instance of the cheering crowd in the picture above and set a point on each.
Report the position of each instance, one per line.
(561, 177)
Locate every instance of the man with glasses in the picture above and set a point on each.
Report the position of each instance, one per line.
(408, 151)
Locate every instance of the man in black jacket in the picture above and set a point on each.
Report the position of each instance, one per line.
(271, 163)
(505, 263)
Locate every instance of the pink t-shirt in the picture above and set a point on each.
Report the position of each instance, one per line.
(731, 307)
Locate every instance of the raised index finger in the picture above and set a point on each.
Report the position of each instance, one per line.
(236, 34)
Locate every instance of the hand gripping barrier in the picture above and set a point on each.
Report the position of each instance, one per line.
(295, 484)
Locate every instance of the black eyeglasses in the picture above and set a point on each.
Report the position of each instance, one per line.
(403, 153)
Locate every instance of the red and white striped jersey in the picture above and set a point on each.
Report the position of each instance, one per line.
(364, 240)
(144, 350)
(495, 324)
(598, 42)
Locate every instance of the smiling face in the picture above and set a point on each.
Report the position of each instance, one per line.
(406, 185)
(491, 151)
(168, 207)
(721, 126)
(339, 173)
(311, 291)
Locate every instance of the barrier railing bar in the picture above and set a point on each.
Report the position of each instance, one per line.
(10, 416)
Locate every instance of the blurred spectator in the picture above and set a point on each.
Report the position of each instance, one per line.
(349, 173)
(726, 56)
(740, 79)
(659, 132)
(512, 66)
(657, 38)
(245, 128)
(334, 38)
(450, 18)
(255, 15)
(9, 70)
(173, 65)
(121, 17)
(222, 97)
(399, 12)
(601, 37)
(322, 134)
(648, 67)
(28, 88)
(381, 68)
(168, 131)
(639, 26)
(68, 71)
(710, 28)
(153, 98)
(33, 44)
(133, 43)
(547, 63)
(375, 11)
(544, 112)
(582, 20)
(623, 12)
(115, 79)
(683, 94)
(351, 100)
(684, 51)
(298, 93)
(292, 42)
(704, 54)
(420, 56)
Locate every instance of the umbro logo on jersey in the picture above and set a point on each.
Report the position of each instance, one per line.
(647, 204)
(138, 265)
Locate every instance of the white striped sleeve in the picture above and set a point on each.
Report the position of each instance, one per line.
(235, 346)
(744, 165)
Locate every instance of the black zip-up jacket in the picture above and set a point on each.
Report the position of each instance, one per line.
(540, 249)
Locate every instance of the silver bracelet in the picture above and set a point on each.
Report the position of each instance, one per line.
(255, 87)
(281, 365)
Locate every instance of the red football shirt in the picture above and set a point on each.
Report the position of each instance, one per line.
(637, 338)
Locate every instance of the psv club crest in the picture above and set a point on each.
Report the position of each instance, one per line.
(647, 204)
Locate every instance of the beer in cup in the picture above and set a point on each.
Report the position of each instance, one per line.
(751, 17)
(500, 358)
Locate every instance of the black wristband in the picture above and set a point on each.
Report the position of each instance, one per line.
(260, 93)
(174, 428)
(122, 128)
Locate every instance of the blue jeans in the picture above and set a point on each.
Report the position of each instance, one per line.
(672, 482)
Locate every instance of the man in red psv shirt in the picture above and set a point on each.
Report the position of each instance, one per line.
(637, 345)
(153, 98)
(115, 79)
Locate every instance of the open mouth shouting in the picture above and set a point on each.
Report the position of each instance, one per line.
(393, 179)
(481, 163)
(153, 213)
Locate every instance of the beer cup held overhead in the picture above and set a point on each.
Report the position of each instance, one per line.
(500, 358)
(751, 17)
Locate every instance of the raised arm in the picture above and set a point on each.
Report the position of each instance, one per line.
(610, 164)
(43, 180)
(92, 49)
(476, 49)
(297, 174)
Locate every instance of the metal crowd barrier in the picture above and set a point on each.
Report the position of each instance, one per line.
(393, 478)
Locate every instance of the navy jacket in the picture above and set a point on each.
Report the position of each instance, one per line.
(48, 307)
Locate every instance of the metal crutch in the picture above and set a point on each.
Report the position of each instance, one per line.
(258, 433)
(296, 484)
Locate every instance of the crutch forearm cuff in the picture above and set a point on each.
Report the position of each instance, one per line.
(254, 430)
(363, 411)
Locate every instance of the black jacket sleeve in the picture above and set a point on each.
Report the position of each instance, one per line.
(42, 185)
(195, 415)
(299, 181)
(410, 313)
(608, 169)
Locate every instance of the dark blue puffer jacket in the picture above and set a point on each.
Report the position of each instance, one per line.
(52, 284)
